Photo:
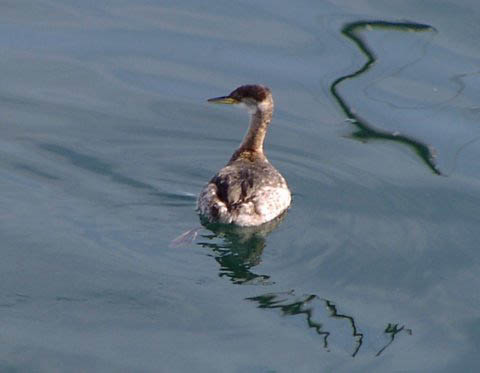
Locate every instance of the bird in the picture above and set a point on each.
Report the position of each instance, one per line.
(248, 191)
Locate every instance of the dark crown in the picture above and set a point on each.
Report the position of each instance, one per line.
(256, 92)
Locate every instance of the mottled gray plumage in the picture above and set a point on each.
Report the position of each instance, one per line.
(248, 190)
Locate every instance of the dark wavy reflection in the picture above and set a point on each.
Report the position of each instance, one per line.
(355, 334)
(241, 248)
(238, 250)
(292, 305)
(366, 131)
(392, 330)
(298, 307)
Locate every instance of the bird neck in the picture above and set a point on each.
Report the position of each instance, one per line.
(255, 136)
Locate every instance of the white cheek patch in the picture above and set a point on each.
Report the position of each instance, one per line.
(251, 108)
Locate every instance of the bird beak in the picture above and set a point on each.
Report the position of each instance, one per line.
(223, 100)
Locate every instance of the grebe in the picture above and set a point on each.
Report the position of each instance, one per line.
(248, 191)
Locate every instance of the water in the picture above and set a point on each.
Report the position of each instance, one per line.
(106, 139)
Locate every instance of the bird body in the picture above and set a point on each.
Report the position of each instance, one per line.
(248, 191)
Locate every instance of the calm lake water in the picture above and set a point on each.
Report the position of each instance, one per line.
(106, 139)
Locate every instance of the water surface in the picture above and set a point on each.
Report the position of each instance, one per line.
(106, 140)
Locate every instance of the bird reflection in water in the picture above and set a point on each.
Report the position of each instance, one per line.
(238, 249)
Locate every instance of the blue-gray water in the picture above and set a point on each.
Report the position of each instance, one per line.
(106, 138)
